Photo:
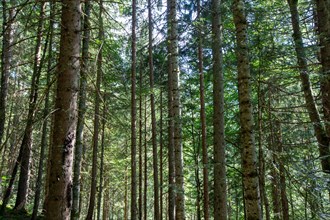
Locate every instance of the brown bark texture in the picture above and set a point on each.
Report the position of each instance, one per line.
(59, 202)
(250, 173)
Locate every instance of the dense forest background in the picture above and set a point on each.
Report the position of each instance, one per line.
(153, 109)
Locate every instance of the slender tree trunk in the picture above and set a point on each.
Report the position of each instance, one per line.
(220, 185)
(262, 182)
(171, 154)
(145, 204)
(140, 148)
(250, 173)
(133, 117)
(26, 145)
(284, 198)
(6, 55)
(44, 141)
(126, 195)
(99, 207)
(323, 26)
(153, 116)
(75, 214)
(59, 202)
(203, 115)
(106, 200)
(320, 133)
(161, 164)
(96, 119)
(273, 171)
(176, 106)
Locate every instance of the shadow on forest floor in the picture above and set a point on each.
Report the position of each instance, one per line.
(13, 215)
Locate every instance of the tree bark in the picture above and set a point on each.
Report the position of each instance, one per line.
(203, 115)
(153, 116)
(170, 151)
(320, 133)
(176, 106)
(96, 120)
(6, 55)
(323, 27)
(59, 202)
(250, 173)
(75, 214)
(133, 117)
(220, 185)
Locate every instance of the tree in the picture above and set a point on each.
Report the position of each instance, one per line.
(153, 115)
(176, 105)
(81, 113)
(6, 54)
(133, 116)
(323, 23)
(203, 117)
(59, 202)
(250, 174)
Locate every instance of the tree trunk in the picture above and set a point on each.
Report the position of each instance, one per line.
(321, 136)
(250, 173)
(220, 185)
(153, 116)
(161, 164)
(99, 207)
(96, 120)
(140, 149)
(262, 181)
(203, 115)
(26, 146)
(7, 33)
(75, 214)
(133, 117)
(176, 106)
(145, 205)
(323, 27)
(44, 140)
(59, 202)
(284, 198)
(171, 153)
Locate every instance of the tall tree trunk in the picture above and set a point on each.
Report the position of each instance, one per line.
(220, 185)
(176, 106)
(75, 213)
(203, 115)
(99, 207)
(145, 204)
(284, 198)
(161, 164)
(170, 151)
(323, 26)
(153, 116)
(6, 55)
(262, 181)
(133, 117)
(250, 173)
(140, 148)
(320, 133)
(59, 202)
(275, 183)
(26, 145)
(44, 140)
(96, 119)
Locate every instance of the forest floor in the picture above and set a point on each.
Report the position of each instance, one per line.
(13, 215)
